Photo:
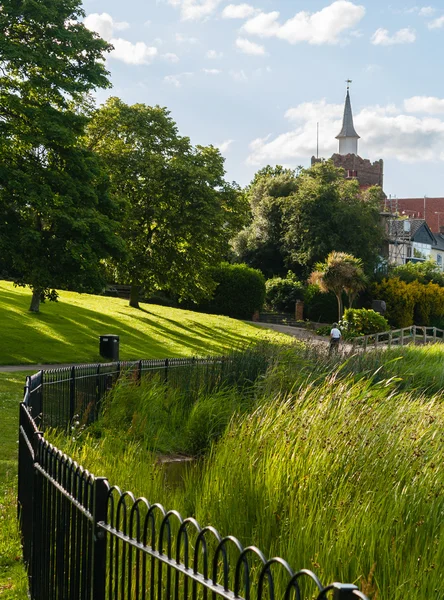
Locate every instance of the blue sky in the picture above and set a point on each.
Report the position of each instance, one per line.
(254, 78)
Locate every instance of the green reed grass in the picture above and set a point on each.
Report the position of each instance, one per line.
(335, 467)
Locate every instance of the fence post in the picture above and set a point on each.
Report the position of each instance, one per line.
(424, 330)
(365, 343)
(343, 591)
(390, 339)
(98, 566)
(414, 334)
(376, 339)
(434, 334)
(166, 370)
(402, 337)
(139, 372)
(72, 394)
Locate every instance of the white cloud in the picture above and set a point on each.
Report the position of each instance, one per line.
(426, 11)
(104, 25)
(381, 37)
(192, 10)
(372, 68)
(147, 23)
(132, 54)
(211, 71)
(183, 39)
(212, 54)
(322, 27)
(176, 80)
(385, 132)
(224, 146)
(437, 23)
(424, 104)
(251, 48)
(238, 11)
(171, 57)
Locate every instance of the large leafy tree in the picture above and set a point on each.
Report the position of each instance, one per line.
(56, 220)
(299, 216)
(261, 243)
(329, 213)
(181, 213)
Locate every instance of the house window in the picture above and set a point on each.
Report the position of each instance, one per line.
(351, 173)
(439, 260)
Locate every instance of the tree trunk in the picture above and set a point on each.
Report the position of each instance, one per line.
(340, 307)
(134, 295)
(35, 300)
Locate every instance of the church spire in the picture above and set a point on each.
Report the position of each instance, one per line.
(348, 138)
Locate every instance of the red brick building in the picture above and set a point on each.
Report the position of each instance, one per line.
(430, 209)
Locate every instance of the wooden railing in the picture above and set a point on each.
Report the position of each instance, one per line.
(416, 334)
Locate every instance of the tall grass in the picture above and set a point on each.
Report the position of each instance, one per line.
(335, 467)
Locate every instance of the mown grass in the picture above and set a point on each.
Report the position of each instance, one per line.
(332, 467)
(68, 330)
(13, 581)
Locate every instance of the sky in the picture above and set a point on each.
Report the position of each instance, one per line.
(254, 79)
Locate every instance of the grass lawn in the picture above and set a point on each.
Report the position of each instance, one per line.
(69, 330)
(13, 582)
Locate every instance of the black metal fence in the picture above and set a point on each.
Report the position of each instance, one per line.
(86, 540)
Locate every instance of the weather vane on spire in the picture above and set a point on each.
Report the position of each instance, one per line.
(348, 82)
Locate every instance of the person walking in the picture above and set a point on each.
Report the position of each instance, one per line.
(335, 337)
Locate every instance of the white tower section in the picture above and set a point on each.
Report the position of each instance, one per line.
(348, 138)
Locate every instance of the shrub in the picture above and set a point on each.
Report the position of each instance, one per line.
(424, 272)
(411, 303)
(239, 293)
(400, 298)
(282, 293)
(360, 321)
(319, 307)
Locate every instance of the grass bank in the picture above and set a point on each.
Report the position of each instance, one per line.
(68, 330)
(333, 467)
(13, 581)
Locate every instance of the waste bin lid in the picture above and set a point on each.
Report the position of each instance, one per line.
(109, 336)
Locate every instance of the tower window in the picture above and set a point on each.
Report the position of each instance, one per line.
(351, 173)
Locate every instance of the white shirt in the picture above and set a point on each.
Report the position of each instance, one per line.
(335, 333)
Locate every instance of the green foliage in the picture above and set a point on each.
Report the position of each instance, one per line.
(360, 321)
(373, 467)
(239, 293)
(341, 272)
(282, 293)
(181, 213)
(329, 213)
(411, 303)
(56, 219)
(424, 272)
(319, 306)
(260, 244)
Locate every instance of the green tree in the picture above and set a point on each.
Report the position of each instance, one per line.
(181, 213)
(56, 220)
(261, 243)
(329, 213)
(341, 272)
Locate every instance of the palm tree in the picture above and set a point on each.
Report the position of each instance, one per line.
(340, 272)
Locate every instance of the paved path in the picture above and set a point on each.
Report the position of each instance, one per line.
(35, 368)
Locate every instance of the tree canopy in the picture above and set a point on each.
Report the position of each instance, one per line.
(298, 217)
(181, 213)
(56, 220)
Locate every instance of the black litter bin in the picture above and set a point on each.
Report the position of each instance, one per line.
(109, 347)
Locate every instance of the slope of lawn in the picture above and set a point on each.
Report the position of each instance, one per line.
(69, 330)
(13, 581)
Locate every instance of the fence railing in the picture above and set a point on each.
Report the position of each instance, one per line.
(400, 337)
(84, 539)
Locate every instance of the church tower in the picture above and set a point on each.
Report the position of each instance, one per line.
(348, 138)
(365, 172)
